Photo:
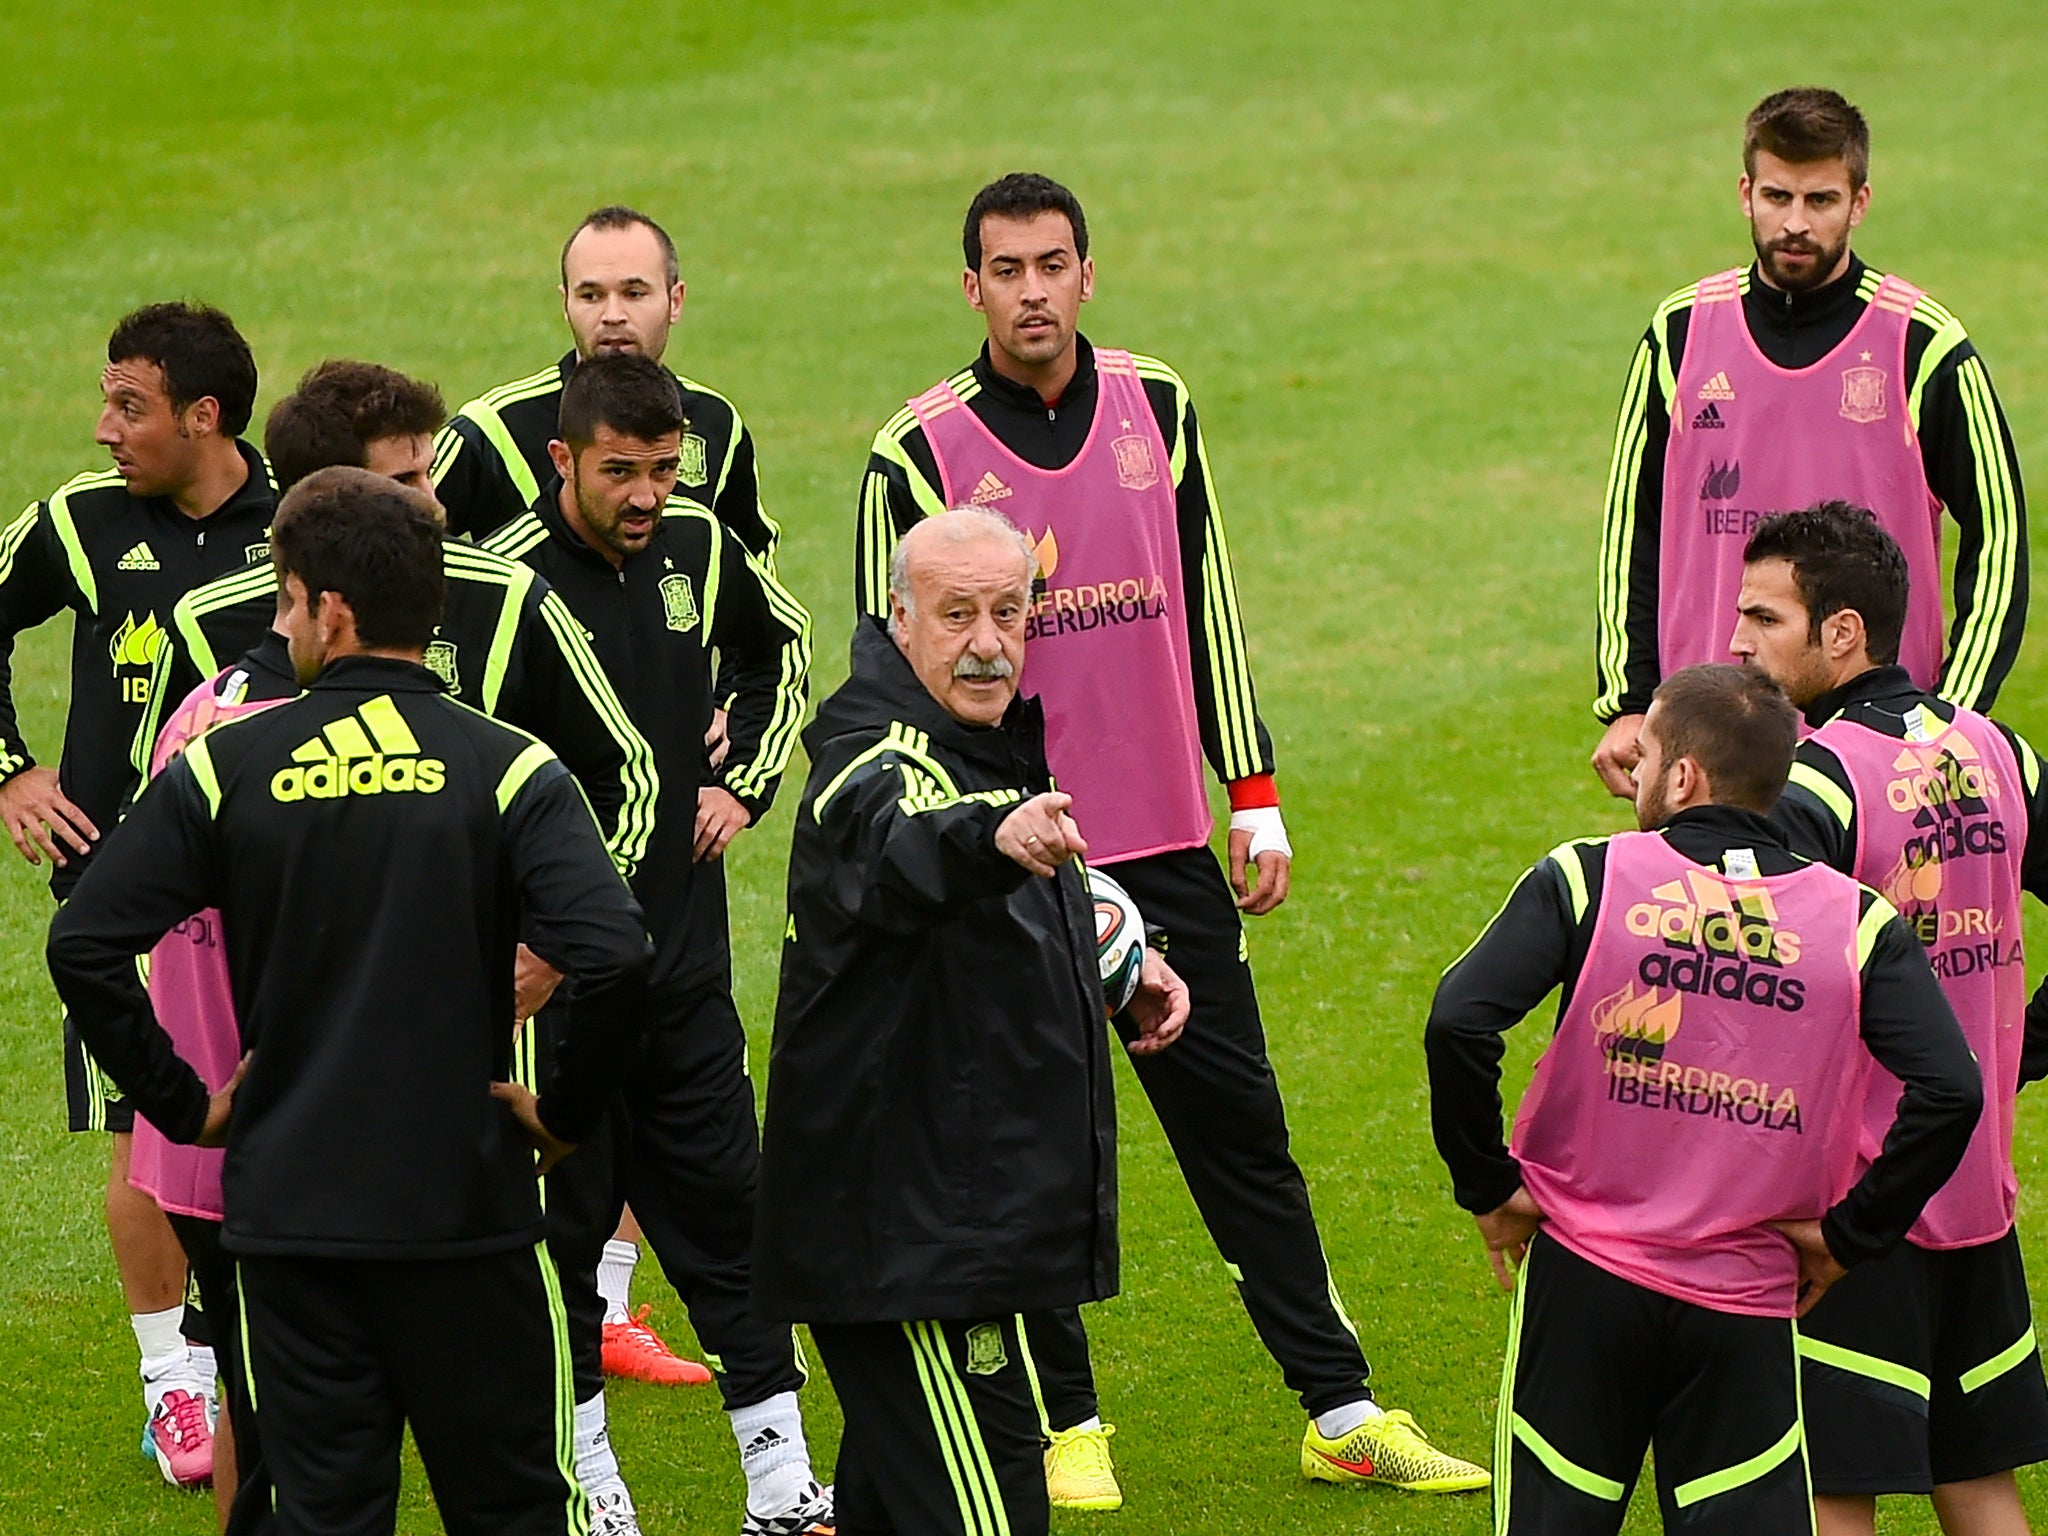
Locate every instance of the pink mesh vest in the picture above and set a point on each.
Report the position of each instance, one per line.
(188, 987)
(1707, 1078)
(1749, 438)
(1107, 645)
(1941, 823)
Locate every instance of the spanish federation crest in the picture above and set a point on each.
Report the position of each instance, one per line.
(985, 1352)
(692, 468)
(1863, 394)
(1136, 469)
(678, 602)
(256, 554)
(440, 660)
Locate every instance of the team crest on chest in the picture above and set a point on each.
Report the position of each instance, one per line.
(1136, 468)
(1863, 394)
(440, 660)
(678, 602)
(692, 466)
(985, 1352)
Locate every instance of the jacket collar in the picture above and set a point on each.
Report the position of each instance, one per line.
(1079, 393)
(1890, 686)
(1717, 827)
(360, 673)
(881, 687)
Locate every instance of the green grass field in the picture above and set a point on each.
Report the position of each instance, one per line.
(1401, 254)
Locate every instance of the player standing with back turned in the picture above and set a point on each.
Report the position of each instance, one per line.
(1805, 377)
(1097, 456)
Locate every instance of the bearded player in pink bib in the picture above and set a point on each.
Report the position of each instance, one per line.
(1921, 1372)
(1803, 377)
(1688, 1167)
(1138, 657)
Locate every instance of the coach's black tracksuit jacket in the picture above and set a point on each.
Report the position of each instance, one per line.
(1539, 940)
(120, 563)
(654, 624)
(940, 1119)
(491, 460)
(376, 851)
(506, 645)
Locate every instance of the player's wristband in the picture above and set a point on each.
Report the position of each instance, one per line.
(1253, 792)
(1269, 833)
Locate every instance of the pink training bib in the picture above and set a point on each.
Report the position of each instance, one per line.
(188, 988)
(1707, 1078)
(1749, 438)
(1941, 825)
(1106, 651)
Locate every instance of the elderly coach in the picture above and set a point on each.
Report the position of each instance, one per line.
(940, 1117)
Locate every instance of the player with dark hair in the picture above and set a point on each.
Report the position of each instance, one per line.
(347, 412)
(186, 500)
(1804, 376)
(660, 584)
(375, 851)
(1138, 650)
(1921, 1371)
(1685, 1169)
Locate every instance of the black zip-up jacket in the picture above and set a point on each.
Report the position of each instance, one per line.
(119, 563)
(369, 937)
(1540, 939)
(1817, 812)
(940, 1119)
(654, 625)
(491, 459)
(506, 645)
(1965, 448)
(902, 487)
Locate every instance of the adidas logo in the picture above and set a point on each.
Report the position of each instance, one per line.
(371, 752)
(1717, 388)
(1709, 420)
(768, 1440)
(140, 558)
(989, 489)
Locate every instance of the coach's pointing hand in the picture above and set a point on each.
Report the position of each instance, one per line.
(550, 1149)
(1507, 1229)
(1040, 835)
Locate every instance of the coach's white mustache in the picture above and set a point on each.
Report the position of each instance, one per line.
(976, 670)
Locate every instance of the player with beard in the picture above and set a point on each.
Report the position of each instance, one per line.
(1701, 1101)
(1920, 1371)
(1805, 376)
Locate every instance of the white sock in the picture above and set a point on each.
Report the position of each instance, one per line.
(615, 1278)
(596, 1464)
(205, 1368)
(1339, 1422)
(1087, 1426)
(161, 1338)
(772, 1452)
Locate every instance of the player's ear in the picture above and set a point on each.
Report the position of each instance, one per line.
(563, 460)
(202, 417)
(970, 284)
(675, 301)
(1859, 204)
(1742, 192)
(1087, 278)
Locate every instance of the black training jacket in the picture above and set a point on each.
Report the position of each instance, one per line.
(119, 563)
(491, 459)
(1539, 940)
(654, 625)
(940, 1132)
(506, 645)
(376, 851)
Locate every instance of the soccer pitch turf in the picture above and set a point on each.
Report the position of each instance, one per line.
(1401, 255)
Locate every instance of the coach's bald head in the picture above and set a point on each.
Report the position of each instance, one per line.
(959, 596)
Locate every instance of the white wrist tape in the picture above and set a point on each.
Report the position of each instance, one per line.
(1269, 832)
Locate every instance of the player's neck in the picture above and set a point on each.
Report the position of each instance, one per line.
(222, 472)
(1841, 269)
(1049, 379)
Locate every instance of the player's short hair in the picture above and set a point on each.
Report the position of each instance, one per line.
(633, 395)
(1736, 724)
(1840, 558)
(958, 525)
(1021, 195)
(619, 216)
(338, 410)
(200, 353)
(1805, 124)
(374, 541)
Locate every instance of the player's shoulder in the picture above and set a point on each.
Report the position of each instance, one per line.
(480, 563)
(518, 539)
(493, 402)
(1908, 298)
(708, 407)
(1679, 302)
(94, 491)
(905, 424)
(1157, 370)
(255, 581)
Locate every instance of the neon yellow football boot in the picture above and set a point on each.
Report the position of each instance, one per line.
(1078, 1473)
(1389, 1450)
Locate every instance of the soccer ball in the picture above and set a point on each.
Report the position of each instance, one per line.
(1119, 939)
